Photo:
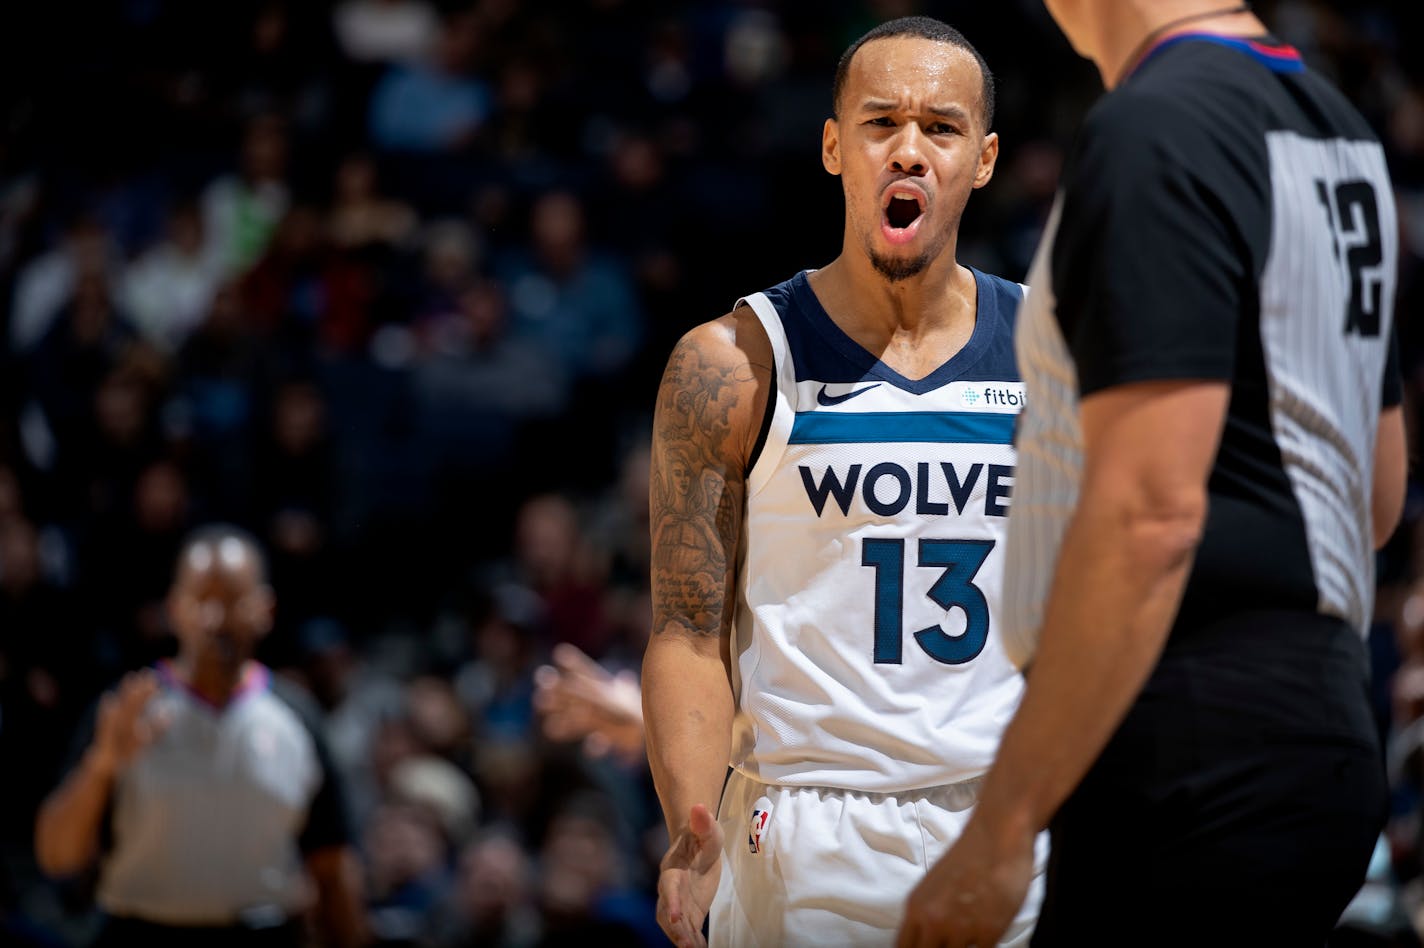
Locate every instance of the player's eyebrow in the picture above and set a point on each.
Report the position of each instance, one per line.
(950, 112)
(943, 111)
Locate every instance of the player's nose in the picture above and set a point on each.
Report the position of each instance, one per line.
(907, 155)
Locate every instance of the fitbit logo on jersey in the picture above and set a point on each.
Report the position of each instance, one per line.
(997, 397)
(888, 488)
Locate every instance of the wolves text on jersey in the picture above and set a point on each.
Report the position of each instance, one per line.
(888, 488)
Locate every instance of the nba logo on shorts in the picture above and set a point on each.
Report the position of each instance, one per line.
(758, 826)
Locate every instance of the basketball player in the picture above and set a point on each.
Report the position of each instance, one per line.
(831, 476)
(200, 786)
(1205, 470)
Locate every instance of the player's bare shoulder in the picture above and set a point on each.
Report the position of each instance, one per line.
(710, 404)
(715, 389)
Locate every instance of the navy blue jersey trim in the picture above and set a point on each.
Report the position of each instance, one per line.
(809, 326)
(767, 414)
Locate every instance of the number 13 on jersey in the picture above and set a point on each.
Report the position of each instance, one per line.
(960, 561)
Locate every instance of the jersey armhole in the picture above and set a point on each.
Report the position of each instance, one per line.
(766, 416)
(780, 413)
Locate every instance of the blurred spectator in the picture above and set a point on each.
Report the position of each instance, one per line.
(296, 491)
(497, 684)
(552, 558)
(361, 216)
(356, 703)
(619, 525)
(196, 786)
(302, 291)
(479, 385)
(132, 553)
(48, 282)
(492, 904)
(451, 261)
(578, 303)
(45, 669)
(122, 438)
(584, 890)
(509, 775)
(386, 31)
(408, 873)
(434, 105)
(86, 340)
(11, 504)
(221, 371)
(632, 211)
(437, 718)
(443, 790)
(241, 211)
(168, 290)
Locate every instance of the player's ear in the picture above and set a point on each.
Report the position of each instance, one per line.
(988, 155)
(831, 146)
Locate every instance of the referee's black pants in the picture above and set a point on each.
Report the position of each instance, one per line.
(1238, 803)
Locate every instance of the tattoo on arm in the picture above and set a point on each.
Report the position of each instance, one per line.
(696, 493)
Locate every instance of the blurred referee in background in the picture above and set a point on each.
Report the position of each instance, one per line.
(1211, 451)
(197, 787)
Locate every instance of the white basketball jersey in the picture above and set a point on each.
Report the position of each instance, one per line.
(865, 652)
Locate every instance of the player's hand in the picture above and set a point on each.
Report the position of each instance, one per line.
(970, 897)
(125, 727)
(687, 879)
(579, 700)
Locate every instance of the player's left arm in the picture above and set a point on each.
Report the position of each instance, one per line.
(1125, 558)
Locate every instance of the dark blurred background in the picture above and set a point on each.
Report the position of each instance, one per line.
(391, 283)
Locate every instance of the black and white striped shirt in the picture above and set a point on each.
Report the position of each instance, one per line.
(1226, 215)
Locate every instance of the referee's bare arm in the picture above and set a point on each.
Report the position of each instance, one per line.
(340, 909)
(709, 410)
(68, 827)
(1391, 474)
(1121, 570)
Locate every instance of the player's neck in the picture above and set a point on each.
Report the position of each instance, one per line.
(856, 294)
(1127, 32)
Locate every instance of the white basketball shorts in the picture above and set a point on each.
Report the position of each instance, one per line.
(825, 867)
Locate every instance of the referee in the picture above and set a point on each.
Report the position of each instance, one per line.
(1212, 448)
(199, 786)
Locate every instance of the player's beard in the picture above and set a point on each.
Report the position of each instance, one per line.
(896, 269)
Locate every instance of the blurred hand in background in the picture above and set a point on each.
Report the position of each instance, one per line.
(578, 699)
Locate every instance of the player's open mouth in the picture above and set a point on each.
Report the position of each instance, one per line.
(903, 210)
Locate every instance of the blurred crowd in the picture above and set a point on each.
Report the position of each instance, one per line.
(390, 284)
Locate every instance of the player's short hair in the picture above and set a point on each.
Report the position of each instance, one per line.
(215, 535)
(923, 27)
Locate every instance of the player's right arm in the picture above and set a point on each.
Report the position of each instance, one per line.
(709, 410)
(67, 829)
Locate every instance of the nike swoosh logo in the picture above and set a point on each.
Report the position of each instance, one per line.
(823, 399)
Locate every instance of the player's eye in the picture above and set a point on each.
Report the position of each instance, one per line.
(882, 121)
(943, 128)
